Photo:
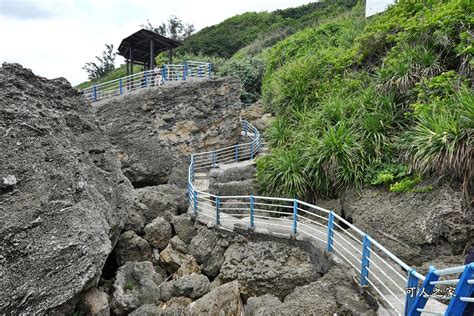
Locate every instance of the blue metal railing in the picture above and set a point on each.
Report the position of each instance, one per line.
(394, 281)
(190, 70)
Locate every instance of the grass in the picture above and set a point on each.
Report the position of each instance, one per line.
(356, 98)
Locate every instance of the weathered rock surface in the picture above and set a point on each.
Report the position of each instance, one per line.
(260, 305)
(63, 197)
(162, 201)
(174, 255)
(415, 226)
(208, 248)
(96, 303)
(153, 310)
(224, 300)
(188, 267)
(267, 267)
(330, 295)
(193, 286)
(132, 247)
(157, 129)
(158, 233)
(184, 227)
(136, 284)
(258, 116)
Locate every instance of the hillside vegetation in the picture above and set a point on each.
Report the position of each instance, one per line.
(382, 100)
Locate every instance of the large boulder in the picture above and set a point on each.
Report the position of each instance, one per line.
(267, 267)
(158, 128)
(417, 227)
(136, 284)
(192, 286)
(162, 201)
(158, 233)
(223, 300)
(184, 227)
(63, 197)
(208, 248)
(132, 247)
(333, 294)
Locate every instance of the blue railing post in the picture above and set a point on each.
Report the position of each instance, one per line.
(209, 70)
(163, 73)
(185, 71)
(146, 78)
(214, 160)
(94, 93)
(295, 216)
(120, 86)
(252, 211)
(237, 152)
(195, 202)
(411, 290)
(218, 219)
(424, 292)
(200, 71)
(330, 232)
(364, 271)
(251, 150)
(463, 289)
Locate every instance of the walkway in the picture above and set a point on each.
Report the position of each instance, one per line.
(377, 268)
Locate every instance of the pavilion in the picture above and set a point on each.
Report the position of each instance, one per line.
(143, 46)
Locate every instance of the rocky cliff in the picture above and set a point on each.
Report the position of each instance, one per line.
(63, 197)
(158, 129)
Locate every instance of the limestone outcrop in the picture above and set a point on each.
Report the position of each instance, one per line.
(63, 197)
(157, 129)
(418, 227)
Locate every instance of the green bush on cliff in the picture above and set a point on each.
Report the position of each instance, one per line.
(355, 94)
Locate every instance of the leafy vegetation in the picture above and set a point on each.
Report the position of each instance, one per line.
(104, 64)
(371, 101)
(237, 32)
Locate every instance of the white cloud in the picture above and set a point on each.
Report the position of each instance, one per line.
(56, 38)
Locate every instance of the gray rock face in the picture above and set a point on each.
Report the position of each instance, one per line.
(132, 247)
(184, 227)
(193, 286)
(267, 267)
(208, 248)
(162, 201)
(259, 306)
(156, 129)
(63, 197)
(224, 300)
(136, 284)
(417, 227)
(158, 233)
(258, 116)
(332, 294)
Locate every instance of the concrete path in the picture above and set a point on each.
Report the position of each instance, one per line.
(388, 280)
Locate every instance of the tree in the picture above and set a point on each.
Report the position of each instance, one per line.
(174, 28)
(104, 65)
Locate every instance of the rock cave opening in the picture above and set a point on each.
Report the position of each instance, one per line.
(110, 267)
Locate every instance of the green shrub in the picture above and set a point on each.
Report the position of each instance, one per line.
(406, 184)
(423, 189)
(250, 71)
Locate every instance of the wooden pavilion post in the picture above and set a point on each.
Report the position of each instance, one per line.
(152, 54)
(170, 56)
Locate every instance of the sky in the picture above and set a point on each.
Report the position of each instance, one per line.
(55, 38)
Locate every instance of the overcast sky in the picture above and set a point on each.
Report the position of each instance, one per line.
(55, 38)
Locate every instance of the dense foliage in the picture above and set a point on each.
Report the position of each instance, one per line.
(227, 37)
(384, 100)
